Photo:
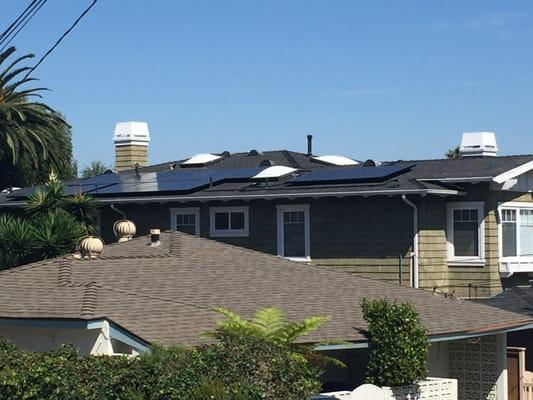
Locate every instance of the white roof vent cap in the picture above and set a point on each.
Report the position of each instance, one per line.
(202, 159)
(128, 133)
(478, 144)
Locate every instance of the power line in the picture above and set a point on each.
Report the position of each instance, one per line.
(11, 27)
(22, 25)
(60, 39)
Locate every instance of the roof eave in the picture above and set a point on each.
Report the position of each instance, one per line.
(513, 173)
(366, 193)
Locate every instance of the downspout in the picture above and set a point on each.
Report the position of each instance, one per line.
(415, 239)
(114, 208)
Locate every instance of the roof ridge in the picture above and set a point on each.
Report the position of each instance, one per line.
(148, 296)
(89, 299)
(34, 264)
(64, 272)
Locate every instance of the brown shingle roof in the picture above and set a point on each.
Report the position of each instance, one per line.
(165, 294)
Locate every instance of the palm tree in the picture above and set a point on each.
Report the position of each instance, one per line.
(94, 168)
(27, 126)
(453, 154)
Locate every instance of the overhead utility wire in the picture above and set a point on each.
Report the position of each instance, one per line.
(38, 7)
(61, 38)
(13, 25)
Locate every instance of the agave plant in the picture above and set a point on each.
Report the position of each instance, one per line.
(55, 234)
(16, 241)
(26, 125)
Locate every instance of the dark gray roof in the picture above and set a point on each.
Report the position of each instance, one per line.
(468, 167)
(424, 177)
(518, 299)
(165, 294)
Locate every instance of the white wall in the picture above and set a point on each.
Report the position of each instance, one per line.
(45, 339)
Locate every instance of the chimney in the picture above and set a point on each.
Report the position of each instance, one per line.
(478, 144)
(309, 145)
(155, 237)
(131, 145)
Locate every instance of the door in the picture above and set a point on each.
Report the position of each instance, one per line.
(513, 374)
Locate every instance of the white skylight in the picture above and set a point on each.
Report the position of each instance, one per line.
(335, 160)
(201, 159)
(277, 171)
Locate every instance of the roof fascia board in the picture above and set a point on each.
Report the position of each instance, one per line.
(514, 172)
(432, 338)
(458, 179)
(146, 199)
(123, 336)
(49, 323)
(469, 335)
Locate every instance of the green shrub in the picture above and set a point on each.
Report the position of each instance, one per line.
(399, 344)
(248, 368)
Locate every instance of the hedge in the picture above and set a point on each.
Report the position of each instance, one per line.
(235, 369)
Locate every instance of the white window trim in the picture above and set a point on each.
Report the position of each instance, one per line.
(185, 210)
(228, 232)
(512, 205)
(465, 260)
(294, 207)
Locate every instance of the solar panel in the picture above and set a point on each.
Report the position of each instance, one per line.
(350, 174)
(182, 180)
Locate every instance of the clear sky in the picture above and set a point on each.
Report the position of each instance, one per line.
(370, 79)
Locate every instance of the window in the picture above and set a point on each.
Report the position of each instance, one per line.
(516, 231)
(293, 232)
(185, 220)
(229, 221)
(465, 233)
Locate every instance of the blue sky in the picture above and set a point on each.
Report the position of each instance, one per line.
(370, 79)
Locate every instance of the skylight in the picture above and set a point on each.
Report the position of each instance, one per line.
(202, 159)
(277, 171)
(335, 160)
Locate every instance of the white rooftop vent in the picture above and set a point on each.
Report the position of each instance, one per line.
(202, 159)
(131, 133)
(275, 172)
(335, 160)
(477, 144)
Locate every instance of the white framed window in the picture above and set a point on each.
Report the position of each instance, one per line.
(228, 221)
(185, 219)
(515, 232)
(465, 233)
(294, 232)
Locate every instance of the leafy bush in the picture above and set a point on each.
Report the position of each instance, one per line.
(237, 367)
(399, 344)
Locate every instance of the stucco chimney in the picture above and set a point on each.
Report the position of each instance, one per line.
(131, 145)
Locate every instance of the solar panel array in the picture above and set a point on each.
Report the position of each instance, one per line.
(350, 174)
(182, 180)
(189, 180)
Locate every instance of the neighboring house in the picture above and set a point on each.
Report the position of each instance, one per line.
(517, 299)
(136, 294)
(461, 226)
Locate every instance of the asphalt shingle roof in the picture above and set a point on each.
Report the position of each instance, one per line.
(165, 294)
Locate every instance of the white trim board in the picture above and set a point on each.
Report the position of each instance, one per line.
(514, 172)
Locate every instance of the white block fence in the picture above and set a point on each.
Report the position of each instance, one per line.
(428, 389)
